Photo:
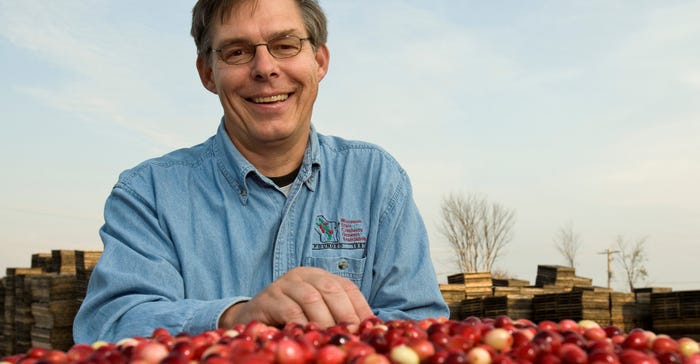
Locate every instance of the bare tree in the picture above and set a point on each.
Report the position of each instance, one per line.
(476, 229)
(631, 259)
(568, 243)
(500, 273)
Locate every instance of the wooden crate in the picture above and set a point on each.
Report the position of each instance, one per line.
(54, 314)
(478, 292)
(623, 311)
(551, 274)
(455, 310)
(532, 290)
(675, 305)
(63, 261)
(511, 282)
(676, 313)
(554, 288)
(477, 279)
(54, 306)
(575, 305)
(85, 261)
(452, 292)
(43, 261)
(643, 295)
(642, 299)
(16, 312)
(50, 287)
(560, 276)
(3, 351)
(58, 338)
(472, 307)
(677, 328)
(476, 285)
(506, 291)
(592, 289)
(513, 306)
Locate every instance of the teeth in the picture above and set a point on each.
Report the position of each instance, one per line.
(276, 98)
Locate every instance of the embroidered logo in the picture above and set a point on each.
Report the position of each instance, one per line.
(346, 234)
(328, 230)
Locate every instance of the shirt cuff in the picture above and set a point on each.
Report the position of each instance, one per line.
(207, 317)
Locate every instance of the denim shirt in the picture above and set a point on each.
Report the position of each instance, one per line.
(190, 233)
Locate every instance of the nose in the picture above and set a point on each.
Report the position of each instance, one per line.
(263, 65)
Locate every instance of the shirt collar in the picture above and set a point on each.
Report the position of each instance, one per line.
(236, 168)
(312, 161)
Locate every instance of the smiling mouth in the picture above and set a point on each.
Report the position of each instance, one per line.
(269, 99)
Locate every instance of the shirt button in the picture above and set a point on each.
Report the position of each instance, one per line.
(342, 265)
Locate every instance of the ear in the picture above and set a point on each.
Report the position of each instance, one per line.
(322, 59)
(205, 73)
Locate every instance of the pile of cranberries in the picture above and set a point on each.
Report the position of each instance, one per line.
(434, 341)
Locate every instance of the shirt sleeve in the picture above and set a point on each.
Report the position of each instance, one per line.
(405, 285)
(136, 286)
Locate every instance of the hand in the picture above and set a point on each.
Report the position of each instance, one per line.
(302, 295)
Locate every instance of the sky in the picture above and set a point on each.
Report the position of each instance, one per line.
(581, 113)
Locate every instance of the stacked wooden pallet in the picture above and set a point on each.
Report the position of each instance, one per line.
(509, 282)
(18, 311)
(8, 329)
(472, 307)
(560, 277)
(532, 290)
(509, 305)
(525, 291)
(2, 316)
(642, 299)
(38, 304)
(575, 305)
(463, 293)
(506, 291)
(63, 261)
(85, 261)
(453, 294)
(478, 284)
(43, 261)
(54, 307)
(623, 310)
(676, 313)
(511, 297)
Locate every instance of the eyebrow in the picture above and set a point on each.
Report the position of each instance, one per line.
(275, 35)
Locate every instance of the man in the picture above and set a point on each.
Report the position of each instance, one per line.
(267, 220)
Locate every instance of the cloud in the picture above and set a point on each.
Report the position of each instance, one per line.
(108, 72)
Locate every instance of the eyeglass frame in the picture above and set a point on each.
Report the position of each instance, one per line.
(254, 47)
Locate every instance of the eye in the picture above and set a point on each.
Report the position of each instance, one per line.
(285, 47)
(235, 52)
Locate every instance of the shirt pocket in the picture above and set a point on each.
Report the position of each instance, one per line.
(350, 268)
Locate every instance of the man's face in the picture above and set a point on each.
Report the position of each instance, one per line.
(267, 102)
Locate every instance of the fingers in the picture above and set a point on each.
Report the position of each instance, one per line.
(319, 304)
(328, 299)
(358, 301)
(307, 294)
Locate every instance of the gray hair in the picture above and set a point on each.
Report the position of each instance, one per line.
(205, 12)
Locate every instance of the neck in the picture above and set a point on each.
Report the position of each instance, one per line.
(276, 164)
(275, 160)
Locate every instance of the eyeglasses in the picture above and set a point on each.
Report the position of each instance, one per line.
(241, 52)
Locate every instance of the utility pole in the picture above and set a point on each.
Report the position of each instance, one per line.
(609, 252)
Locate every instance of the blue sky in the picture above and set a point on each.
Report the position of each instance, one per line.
(581, 112)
